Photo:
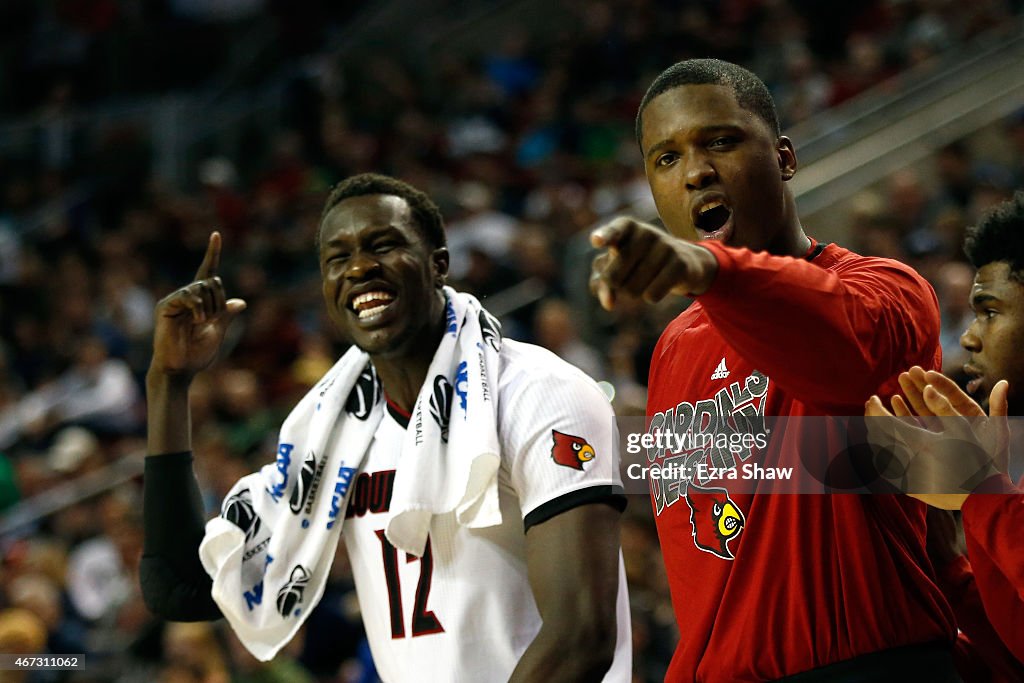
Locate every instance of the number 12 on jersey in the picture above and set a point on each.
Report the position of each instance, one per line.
(423, 621)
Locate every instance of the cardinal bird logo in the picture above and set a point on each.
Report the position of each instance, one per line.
(570, 451)
(716, 520)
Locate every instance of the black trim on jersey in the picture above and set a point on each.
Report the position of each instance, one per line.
(400, 417)
(817, 251)
(612, 495)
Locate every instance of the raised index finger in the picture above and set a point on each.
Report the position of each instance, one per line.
(211, 261)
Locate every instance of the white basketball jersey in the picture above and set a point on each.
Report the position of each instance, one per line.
(464, 612)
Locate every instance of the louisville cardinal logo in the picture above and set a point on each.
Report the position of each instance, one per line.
(570, 451)
(716, 520)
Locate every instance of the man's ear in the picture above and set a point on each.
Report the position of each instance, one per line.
(787, 157)
(439, 261)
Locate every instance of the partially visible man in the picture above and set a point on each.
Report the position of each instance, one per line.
(959, 467)
(473, 476)
(828, 587)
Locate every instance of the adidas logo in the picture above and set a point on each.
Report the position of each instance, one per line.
(721, 372)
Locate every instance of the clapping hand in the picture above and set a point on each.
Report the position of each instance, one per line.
(943, 454)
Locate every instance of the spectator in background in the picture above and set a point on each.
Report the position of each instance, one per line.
(804, 89)
(556, 329)
(1014, 127)
(907, 202)
(98, 392)
(102, 571)
(955, 169)
(198, 647)
(478, 225)
(22, 632)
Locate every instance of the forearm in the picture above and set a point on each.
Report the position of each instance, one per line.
(576, 595)
(574, 652)
(169, 424)
(174, 583)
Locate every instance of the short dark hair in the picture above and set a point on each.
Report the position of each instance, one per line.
(999, 237)
(424, 211)
(750, 91)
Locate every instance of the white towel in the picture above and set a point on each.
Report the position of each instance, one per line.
(450, 457)
(270, 551)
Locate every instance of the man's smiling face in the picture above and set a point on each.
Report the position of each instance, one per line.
(381, 278)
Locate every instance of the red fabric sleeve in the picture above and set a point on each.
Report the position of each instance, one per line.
(833, 331)
(980, 653)
(993, 517)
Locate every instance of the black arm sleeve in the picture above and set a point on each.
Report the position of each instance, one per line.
(174, 584)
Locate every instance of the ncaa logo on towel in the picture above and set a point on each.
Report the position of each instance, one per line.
(341, 486)
(284, 460)
(365, 394)
(462, 385)
(239, 511)
(290, 595)
(441, 404)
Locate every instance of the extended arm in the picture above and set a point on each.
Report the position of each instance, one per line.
(831, 336)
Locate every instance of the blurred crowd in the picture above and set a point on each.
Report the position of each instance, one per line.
(525, 145)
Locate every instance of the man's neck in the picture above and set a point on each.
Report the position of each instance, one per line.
(402, 376)
(793, 241)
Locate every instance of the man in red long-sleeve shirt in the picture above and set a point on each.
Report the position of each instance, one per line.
(764, 587)
(991, 522)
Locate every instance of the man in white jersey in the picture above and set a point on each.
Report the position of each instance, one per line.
(540, 596)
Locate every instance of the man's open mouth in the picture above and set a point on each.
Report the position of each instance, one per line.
(372, 304)
(712, 220)
(974, 383)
